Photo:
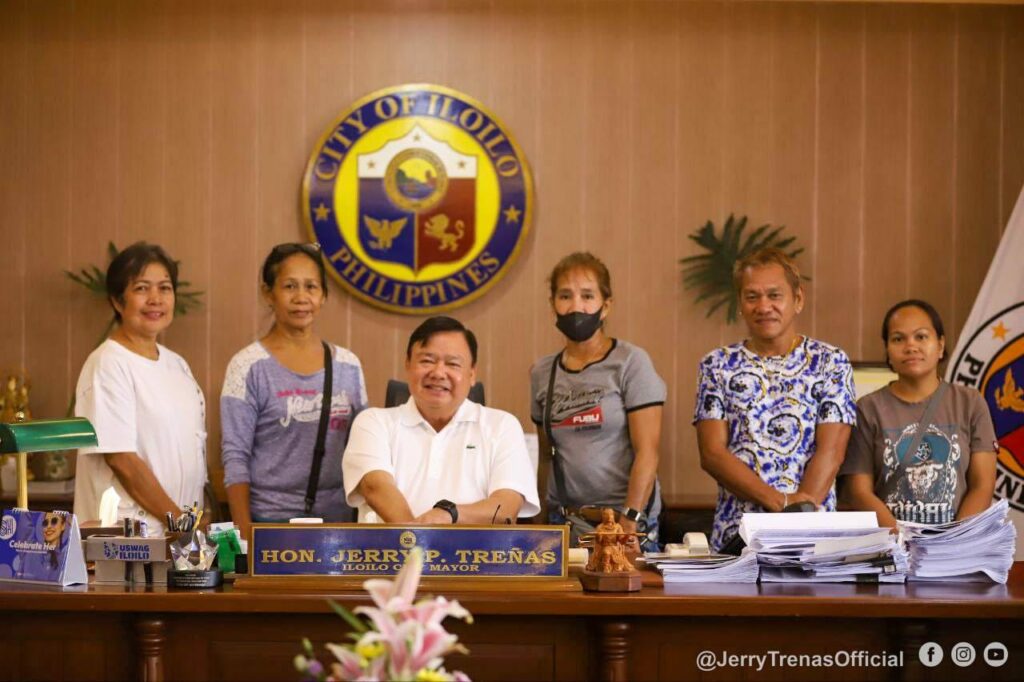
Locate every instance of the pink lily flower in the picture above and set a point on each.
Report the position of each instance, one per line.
(351, 663)
(433, 611)
(408, 636)
(394, 596)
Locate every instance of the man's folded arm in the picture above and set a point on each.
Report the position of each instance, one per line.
(499, 505)
(380, 492)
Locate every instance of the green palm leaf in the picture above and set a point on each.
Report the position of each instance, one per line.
(710, 273)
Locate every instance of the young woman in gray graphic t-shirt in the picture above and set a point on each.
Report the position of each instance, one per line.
(952, 472)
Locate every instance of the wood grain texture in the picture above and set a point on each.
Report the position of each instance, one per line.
(886, 137)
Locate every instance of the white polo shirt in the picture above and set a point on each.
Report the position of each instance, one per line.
(479, 451)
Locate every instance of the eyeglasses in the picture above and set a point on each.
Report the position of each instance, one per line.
(53, 521)
(288, 248)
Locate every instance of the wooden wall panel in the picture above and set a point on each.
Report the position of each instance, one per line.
(14, 149)
(929, 235)
(701, 172)
(657, 235)
(749, 83)
(887, 139)
(838, 235)
(142, 121)
(886, 178)
(47, 194)
(976, 212)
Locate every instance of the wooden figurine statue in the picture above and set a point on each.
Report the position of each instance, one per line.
(609, 569)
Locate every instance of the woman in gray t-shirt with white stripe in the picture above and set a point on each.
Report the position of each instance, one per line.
(605, 408)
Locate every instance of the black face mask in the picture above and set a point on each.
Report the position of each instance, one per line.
(579, 326)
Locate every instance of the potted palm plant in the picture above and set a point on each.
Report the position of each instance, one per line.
(710, 273)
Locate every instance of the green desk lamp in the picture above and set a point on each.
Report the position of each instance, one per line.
(42, 435)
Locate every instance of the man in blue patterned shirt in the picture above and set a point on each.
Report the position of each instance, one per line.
(773, 412)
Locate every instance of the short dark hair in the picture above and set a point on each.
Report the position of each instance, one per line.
(929, 310)
(278, 254)
(438, 325)
(582, 260)
(129, 264)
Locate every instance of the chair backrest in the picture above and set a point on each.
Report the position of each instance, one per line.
(398, 393)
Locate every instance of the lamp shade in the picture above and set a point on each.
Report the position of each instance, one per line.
(46, 435)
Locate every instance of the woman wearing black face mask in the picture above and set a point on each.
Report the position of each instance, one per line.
(597, 405)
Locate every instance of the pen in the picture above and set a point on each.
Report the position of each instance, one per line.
(129, 576)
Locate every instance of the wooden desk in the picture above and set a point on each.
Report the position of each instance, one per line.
(104, 632)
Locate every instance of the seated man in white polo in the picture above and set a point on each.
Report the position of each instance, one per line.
(439, 458)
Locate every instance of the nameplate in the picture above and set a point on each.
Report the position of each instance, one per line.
(41, 547)
(107, 548)
(363, 550)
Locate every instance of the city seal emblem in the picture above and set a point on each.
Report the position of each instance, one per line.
(993, 363)
(419, 198)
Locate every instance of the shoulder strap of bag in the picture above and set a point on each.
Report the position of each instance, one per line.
(556, 465)
(926, 418)
(321, 434)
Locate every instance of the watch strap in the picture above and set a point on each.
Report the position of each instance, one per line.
(449, 507)
(634, 515)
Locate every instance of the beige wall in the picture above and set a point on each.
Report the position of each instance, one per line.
(889, 138)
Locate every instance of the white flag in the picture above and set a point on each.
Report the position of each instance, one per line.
(990, 358)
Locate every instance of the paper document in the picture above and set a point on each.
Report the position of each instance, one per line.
(824, 547)
(979, 547)
(716, 568)
(753, 522)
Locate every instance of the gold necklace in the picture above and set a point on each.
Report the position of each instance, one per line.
(770, 371)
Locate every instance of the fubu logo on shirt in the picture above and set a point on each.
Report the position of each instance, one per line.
(304, 406)
(587, 419)
(587, 406)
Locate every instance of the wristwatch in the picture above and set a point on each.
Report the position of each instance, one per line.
(449, 507)
(634, 515)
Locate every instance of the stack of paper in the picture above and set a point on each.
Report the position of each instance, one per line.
(716, 568)
(824, 547)
(979, 548)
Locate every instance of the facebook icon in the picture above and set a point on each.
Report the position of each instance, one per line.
(930, 654)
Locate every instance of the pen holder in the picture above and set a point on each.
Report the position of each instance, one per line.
(113, 553)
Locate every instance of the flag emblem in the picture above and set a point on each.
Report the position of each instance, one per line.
(419, 197)
(993, 362)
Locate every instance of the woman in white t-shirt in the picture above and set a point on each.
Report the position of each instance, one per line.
(148, 411)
